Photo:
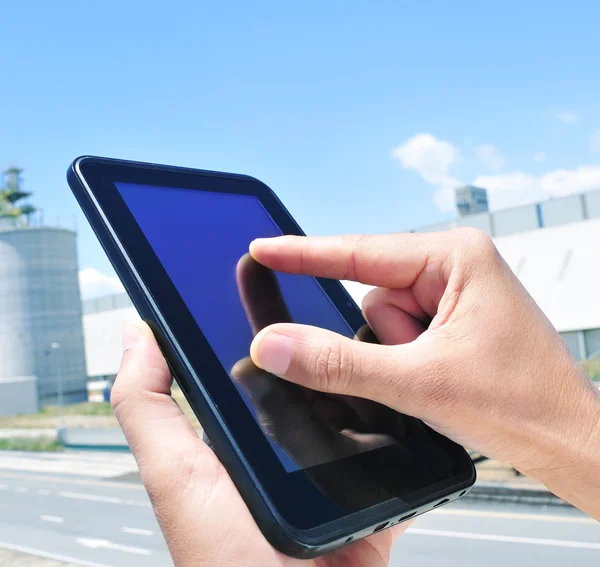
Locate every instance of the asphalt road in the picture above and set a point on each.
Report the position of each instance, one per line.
(85, 520)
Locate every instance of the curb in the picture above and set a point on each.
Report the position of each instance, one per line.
(92, 439)
(487, 491)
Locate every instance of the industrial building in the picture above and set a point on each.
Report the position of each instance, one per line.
(553, 247)
(52, 344)
(41, 335)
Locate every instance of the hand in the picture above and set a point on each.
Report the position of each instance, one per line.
(204, 519)
(465, 349)
(310, 426)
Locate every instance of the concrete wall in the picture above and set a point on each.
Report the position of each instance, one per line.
(40, 305)
(562, 211)
(555, 212)
(592, 204)
(481, 221)
(18, 396)
(519, 219)
(592, 342)
(102, 330)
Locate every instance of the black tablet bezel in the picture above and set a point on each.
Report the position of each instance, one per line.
(294, 496)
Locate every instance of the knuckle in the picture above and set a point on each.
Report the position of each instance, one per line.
(333, 367)
(118, 394)
(373, 299)
(477, 245)
(476, 240)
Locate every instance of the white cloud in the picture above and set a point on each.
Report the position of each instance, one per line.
(517, 188)
(93, 283)
(510, 189)
(491, 157)
(566, 116)
(595, 141)
(564, 181)
(432, 159)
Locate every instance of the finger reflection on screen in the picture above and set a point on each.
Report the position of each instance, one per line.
(311, 427)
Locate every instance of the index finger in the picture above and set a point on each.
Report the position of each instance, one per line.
(386, 260)
(260, 294)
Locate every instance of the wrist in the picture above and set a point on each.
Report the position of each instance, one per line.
(571, 466)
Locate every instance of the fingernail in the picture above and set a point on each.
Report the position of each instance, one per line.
(132, 333)
(275, 353)
(256, 242)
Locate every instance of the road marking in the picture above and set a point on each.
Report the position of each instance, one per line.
(21, 489)
(105, 544)
(515, 516)
(3, 487)
(54, 519)
(506, 539)
(73, 481)
(92, 497)
(137, 503)
(44, 491)
(137, 531)
(53, 556)
(83, 465)
(107, 499)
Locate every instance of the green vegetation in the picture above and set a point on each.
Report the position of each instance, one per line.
(592, 367)
(86, 414)
(86, 408)
(11, 195)
(22, 444)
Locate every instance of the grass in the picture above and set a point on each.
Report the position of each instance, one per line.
(592, 367)
(39, 444)
(87, 408)
(83, 415)
(77, 415)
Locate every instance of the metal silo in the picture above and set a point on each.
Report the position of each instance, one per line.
(41, 332)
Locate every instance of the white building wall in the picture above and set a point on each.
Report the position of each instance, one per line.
(103, 348)
(559, 266)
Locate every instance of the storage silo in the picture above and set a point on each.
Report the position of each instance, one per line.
(40, 308)
(41, 331)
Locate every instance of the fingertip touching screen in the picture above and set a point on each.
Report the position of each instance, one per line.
(202, 239)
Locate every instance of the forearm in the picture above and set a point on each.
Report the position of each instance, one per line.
(575, 474)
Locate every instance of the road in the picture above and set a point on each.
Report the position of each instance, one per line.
(57, 506)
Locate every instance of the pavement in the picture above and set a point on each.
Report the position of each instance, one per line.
(88, 509)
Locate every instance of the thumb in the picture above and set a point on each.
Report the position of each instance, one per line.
(328, 362)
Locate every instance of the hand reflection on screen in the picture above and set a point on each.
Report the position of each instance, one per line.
(310, 426)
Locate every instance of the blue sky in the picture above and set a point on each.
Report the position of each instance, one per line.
(361, 116)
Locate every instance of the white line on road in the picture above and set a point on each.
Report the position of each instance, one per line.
(107, 499)
(3, 487)
(137, 531)
(44, 491)
(21, 489)
(138, 503)
(506, 539)
(72, 481)
(105, 544)
(54, 519)
(515, 516)
(93, 497)
(53, 556)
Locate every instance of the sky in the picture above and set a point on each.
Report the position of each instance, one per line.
(361, 116)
